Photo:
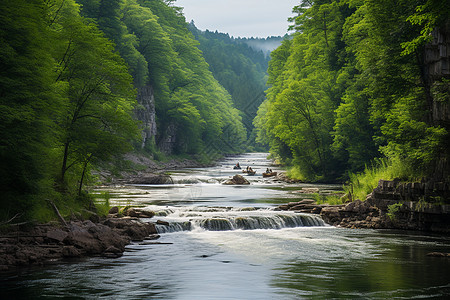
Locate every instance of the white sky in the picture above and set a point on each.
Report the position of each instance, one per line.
(240, 18)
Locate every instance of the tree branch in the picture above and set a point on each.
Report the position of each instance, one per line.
(10, 220)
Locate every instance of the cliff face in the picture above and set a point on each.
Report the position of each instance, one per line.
(168, 139)
(147, 113)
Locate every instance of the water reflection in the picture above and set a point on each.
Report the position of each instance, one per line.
(386, 267)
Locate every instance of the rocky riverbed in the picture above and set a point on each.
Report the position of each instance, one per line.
(22, 245)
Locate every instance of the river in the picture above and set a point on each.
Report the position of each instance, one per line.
(227, 242)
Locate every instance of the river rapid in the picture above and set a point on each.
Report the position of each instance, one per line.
(228, 242)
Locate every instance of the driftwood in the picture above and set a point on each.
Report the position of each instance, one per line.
(61, 219)
(10, 220)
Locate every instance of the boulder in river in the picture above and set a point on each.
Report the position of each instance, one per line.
(138, 213)
(153, 179)
(237, 180)
(161, 222)
(114, 210)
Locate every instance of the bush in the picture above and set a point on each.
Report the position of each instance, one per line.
(392, 210)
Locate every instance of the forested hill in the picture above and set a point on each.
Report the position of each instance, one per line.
(362, 81)
(193, 111)
(238, 67)
(71, 74)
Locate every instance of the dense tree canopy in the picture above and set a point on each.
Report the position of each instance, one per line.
(352, 86)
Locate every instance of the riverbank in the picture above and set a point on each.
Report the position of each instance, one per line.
(392, 205)
(41, 244)
(145, 170)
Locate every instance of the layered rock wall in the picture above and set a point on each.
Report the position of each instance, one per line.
(396, 205)
(436, 78)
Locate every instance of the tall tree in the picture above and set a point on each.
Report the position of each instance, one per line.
(97, 120)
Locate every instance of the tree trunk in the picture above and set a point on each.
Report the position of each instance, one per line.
(86, 162)
(64, 162)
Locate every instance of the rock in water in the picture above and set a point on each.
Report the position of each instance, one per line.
(237, 179)
(161, 222)
(153, 179)
(114, 210)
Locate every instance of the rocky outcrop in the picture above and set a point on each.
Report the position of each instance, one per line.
(435, 75)
(152, 179)
(304, 206)
(137, 212)
(392, 205)
(432, 192)
(356, 214)
(281, 176)
(168, 139)
(42, 244)
(237, 180)
(395, 205)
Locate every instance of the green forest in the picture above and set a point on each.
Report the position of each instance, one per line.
(358, 87)
(361, 88)
(240, 69)
(71, 74)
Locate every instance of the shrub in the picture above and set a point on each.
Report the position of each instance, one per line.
(392, 210)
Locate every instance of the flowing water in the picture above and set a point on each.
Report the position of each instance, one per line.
(228, 242)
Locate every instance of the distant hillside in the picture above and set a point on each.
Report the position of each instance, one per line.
(266, 45)
(240, 67)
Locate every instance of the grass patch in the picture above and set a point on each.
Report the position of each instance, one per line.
(362, 184)
(102, 203)
(82, 206)
(328, 199)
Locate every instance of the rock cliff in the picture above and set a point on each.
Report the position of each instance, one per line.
(147, 113)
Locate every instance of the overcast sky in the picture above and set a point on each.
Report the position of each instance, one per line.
(240, 18)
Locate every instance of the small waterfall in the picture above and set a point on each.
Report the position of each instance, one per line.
(216, 224)
(260, 222)
(174, 227)
(311, 220)
(221, 219)
(164, 212)
(189, 180)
